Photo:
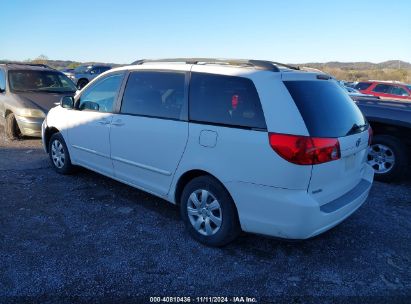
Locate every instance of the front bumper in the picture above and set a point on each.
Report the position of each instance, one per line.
(43, 135)
(29, 126)
(293, 214)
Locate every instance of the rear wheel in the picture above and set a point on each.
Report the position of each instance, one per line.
(59, 155)
(388, 157)
(11, 127)
(208, 212)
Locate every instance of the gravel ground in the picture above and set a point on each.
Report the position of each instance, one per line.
(90, 237)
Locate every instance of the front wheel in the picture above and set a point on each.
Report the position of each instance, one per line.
(59, 155)
(208, 212)
(388, 157)
(11, 127)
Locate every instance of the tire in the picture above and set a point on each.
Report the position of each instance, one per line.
(59, 155)
(11, 127)
(388, 156)
(82, 83)
(218, 223)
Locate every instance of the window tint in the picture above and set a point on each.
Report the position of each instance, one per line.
(382, 88)
(398, 91)
(103, 69)
(326, 109)
(225, 100)
(101, 96)
(362, 85)
(2, 80)
(155, 94)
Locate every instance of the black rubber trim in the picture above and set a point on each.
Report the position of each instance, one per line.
(362, 187)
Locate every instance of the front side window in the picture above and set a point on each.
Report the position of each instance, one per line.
(226, 100)
(40, 81)
(2, 80)
(101, 95)
(154, 94)
(382, 88)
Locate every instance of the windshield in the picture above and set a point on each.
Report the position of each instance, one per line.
(82, 69)
(327, 110)
(40, 81)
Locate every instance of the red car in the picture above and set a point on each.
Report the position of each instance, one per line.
(388, 90)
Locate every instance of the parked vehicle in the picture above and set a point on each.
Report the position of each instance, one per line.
(250, 145)
(67, 72)
(83, 74)
(355, 94)
(385, 89)
(390, 151)
(27, 92)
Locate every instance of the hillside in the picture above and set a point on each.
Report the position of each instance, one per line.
(351, 71)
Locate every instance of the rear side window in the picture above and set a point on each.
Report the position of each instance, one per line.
(226, 100)
(362, 85)
(326, 109)
(155, 94)
(382, 88)
(398, 91)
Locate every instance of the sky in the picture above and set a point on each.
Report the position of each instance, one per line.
(122, 31)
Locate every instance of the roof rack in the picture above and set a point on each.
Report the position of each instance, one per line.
(23, 63)
(260, 64)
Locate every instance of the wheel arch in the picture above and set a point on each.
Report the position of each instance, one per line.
(47, 135)
(187, 176)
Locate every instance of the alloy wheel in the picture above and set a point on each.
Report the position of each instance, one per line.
(381, 158)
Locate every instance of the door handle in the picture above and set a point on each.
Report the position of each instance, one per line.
(118, 123)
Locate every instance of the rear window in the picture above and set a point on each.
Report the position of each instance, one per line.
(362, 85)
(326, 109)
(226, 100)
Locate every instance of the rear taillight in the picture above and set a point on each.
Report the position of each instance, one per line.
(305, 150)
(370, 134)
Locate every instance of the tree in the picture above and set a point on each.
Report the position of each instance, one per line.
(42, 59)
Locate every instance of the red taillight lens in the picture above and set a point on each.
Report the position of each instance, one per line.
(370, 134)
(305, 150)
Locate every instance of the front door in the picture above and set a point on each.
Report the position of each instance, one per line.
(89, 124)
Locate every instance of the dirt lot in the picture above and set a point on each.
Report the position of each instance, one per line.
(88, 236)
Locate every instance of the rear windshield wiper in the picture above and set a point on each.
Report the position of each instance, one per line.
(355, 128)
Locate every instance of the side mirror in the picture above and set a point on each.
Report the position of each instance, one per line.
(90, 105)
(67, 102)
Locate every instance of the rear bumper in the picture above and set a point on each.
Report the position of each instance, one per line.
(294, 214)
(30, 126)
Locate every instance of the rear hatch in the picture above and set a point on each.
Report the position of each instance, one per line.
(328, 112)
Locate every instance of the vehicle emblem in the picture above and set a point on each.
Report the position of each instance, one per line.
(357, 143)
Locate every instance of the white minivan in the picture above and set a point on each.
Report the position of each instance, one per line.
(238, 144)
